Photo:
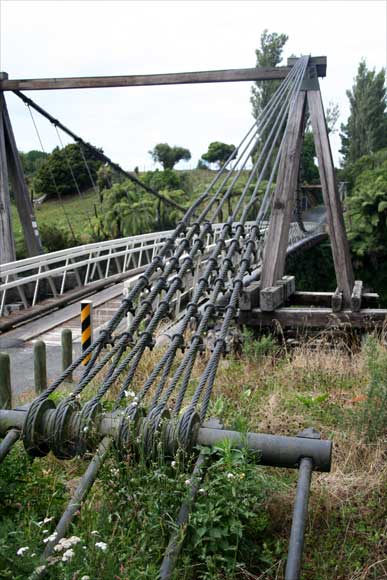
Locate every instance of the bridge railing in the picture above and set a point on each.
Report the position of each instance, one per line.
(27, 281)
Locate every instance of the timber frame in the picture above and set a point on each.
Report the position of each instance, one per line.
(10, 164)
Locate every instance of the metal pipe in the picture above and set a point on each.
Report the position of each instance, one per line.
(296, 542)
(177, 537)
(80, 494)
(8, 442)
(275, 450)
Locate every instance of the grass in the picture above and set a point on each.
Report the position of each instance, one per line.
(240, 523)
(51, 215)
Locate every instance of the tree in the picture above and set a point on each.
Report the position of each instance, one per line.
(54, 175)
(269, 54)
(31, 161)
(219, 152)
(168, 156)
(310, 173)
(366, 129)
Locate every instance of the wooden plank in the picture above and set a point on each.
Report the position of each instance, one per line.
(20, 189)
(367, 318)
(250, 296)
(324, 299)
(338, 236)
(7, 245)
(337, 300)
(357, 295)
(214, 76)
(274, 256)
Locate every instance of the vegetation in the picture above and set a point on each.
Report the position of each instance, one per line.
(64, 171)
(32, 161)
(168, 156)
(269, 54)
(240, 523)
(219, 153)
(366, 129)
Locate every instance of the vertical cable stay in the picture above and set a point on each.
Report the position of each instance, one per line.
(53, 177)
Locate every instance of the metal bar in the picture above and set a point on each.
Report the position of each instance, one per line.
(8, 442)
(79, 495)
(275, 450)
(177, 537)
(296, 542)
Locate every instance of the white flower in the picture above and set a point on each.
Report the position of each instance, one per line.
(67, 555)
(21, 551)
(187, 482)
(85, 429)
(33, 554)
(173, 464)
(85, 578)
(40, 569)
(129, 393)
(47, 520)
(95, 533)
(66, 543)
(50, 538)
(101, 545)
(202, 490)
(230, 475)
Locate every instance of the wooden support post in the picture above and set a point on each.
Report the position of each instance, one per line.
(274, 256)
(357, 296)
(7, 245)
(19, 187)
(67, 350)
(40, 366)
(339, 241)
(5, 381)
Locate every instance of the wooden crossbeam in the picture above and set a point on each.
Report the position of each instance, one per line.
(314, 318)
(324, 299)
(215, 76)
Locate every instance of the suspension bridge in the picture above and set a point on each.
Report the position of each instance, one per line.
(205, 274)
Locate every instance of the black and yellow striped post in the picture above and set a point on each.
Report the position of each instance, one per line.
(86, 326)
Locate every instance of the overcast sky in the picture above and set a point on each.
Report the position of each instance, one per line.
(74, 38)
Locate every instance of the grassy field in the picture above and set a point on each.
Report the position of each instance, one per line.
(240, 523)
(51, 214)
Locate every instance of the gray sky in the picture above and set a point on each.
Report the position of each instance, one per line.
(74, 38)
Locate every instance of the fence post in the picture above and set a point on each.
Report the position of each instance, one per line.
(40, 366)
(86, 327)
(5, 381)
(67, 350)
